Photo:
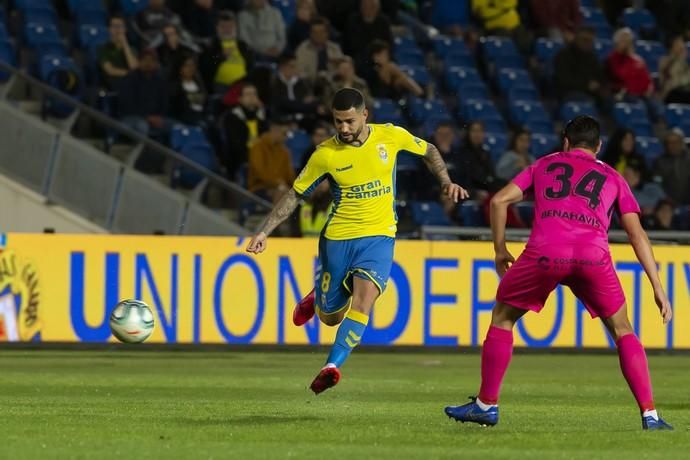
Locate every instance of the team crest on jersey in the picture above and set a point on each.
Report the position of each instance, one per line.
(418, 141)
(383, 153)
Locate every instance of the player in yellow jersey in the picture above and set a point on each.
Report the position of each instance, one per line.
(356, 246)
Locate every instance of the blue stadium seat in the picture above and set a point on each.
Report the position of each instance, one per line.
(387, 111)
(522, 112)
(651, 52)
(510, 77)
(8, 56)
(525, 210)
(288, 8)
(428, 213)
(459, 58)
(447, 13)
(639, 20)
(409, 56)
(522, 92)
(418, 73)
(35, 34)
(183, 135)
(203, 155)
(432, 122)
(496, 47)
(420, 110)
(626, 111)
(132, 7)
(61, 73)
(538, 126)
(496, 143)
(4, 35)
(545, 49)
(40, 15)
(681, 218)
(676, 113)
(93, 36)
(298, 141)
(603, 47)
(56, 48)
(471, 215)
(594, 18)
(455, 76)
(589, 3)
(481, 110)
(23, 5)
(472, 90)
(493, 124)
(544, 144)
(570, 110)
(650, 148)
(406, 162)
(509, 62)
(445, 45)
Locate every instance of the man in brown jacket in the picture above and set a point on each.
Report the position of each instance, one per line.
(270, 168)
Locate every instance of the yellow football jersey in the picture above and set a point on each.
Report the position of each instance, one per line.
(362, 181)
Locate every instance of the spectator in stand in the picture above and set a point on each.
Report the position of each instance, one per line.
(673, 168)
(300, 29)
(386, 79)
(578, 74)
(172, 52)
(517, 158)
(501, 17)
(647, 194)
(263, 29)
(629, 75)
(200, 19)
(621, 152)
(188, 95)
(227, 59)
(476, 168)
(662, 219)
(291, 95)
(270, 166)
(364, 27)
(673, 16)
(557, 19)
(151, 20)
(314, 213)
(426, 185)
(344, 77)
(116, 59)
(320, 133)
(241, 126)
(143, 100)
(317, 56)
(674, 73)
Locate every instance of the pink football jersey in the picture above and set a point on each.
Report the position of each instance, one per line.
(575, 196)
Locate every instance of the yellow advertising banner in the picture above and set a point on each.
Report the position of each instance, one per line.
(208, 290)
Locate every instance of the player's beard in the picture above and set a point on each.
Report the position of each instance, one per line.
(355, 138)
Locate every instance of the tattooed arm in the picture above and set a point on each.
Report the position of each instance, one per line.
(437, 166)
(281, 211)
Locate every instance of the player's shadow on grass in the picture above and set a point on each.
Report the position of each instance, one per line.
(251, 420)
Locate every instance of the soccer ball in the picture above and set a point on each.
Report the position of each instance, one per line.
(131, 321)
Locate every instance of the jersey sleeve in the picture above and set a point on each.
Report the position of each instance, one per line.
(626, 201)
(313, 173)
(409, 143)
(525, 180)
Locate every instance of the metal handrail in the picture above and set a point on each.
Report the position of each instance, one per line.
(115, 125)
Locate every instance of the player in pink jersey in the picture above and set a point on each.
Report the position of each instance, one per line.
(575, 196)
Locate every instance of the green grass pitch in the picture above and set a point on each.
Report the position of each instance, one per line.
(256, 405)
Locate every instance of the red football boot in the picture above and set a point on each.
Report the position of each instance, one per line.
(327, 378)
(304, 310)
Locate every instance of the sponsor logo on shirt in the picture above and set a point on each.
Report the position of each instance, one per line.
(573, 216)
(367, 190)
(344, 168)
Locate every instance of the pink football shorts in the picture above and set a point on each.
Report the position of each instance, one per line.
(587, 270)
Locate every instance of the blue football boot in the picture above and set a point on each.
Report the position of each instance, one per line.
(648, 423)
(471, 412)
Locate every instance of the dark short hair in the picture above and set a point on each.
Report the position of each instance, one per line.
(583, 131)
(286, 58)
(279, 120)
(347, 98)
(320, 21)
(379, 45)
(519, 132)
(226, 15)
(116, 17)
